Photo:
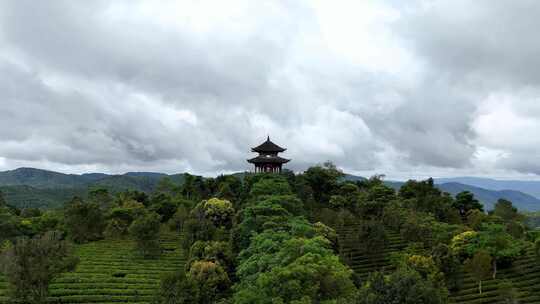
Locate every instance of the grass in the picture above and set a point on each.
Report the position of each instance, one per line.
(110, 271)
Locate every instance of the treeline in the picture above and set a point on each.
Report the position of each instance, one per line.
(269, 238)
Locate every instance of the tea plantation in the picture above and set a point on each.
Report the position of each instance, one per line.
(110, 271)
(522, 278)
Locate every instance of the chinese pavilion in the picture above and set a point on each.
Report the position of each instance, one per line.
(268, 159)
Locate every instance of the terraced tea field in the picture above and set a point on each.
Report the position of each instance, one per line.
(111, 272)
(3, 286)
(524, 275)
(363, 264)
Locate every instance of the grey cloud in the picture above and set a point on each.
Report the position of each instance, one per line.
(479, 41)
(79, 89)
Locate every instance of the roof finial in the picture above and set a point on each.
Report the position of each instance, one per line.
(268, 138)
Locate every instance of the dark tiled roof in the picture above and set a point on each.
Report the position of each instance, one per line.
(268, 146)
(273, 159)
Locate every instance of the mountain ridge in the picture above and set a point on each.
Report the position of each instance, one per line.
(33, 187)
(526, 186)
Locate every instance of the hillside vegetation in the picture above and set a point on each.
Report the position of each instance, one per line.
(29, 187)
(314, 237)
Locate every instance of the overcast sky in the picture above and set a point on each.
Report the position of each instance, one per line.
(434, 88)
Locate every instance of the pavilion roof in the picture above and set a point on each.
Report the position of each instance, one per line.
(272, 159)
(268, 147)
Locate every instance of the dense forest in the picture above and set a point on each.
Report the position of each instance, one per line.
(314, 237)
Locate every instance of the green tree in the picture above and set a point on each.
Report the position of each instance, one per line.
(229, 187)
(480, 267)
(254, 219)
(270, 185)
(449, 265)
(464, 202)
(323, 180)
(537, 248)
(163, 205)
(505, 210)
(404, 286)
(418, 228)
(494, 240)
(121, 216)
(211, 281)
(475, 218)
(9, 226)
(145, 232)
(2, 200)
(372, 236)
(179, 218)
(193, 188)
(176, 288)
(280, 268)
(214, 251)
(101, 196)
(50, 220)
(83, 221)
(166, 186)
(220, 212)
(508, 293)
(31, 264)
(206, 282)
(515, 229)
(31, 212)
(373, 200)
(424, 196)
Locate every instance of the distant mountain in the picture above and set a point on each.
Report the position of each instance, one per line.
(44, 179)
(27, 196)
(353, 178)
(146, 174)
(29, 187)
(522, 201)
(528, 187)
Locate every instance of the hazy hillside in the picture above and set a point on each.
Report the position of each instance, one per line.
(45, 179)
(29, 187)
(528, 187)
(27, 196)
(489, 197)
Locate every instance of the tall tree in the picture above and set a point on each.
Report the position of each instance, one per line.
(2, 200)
(404, 286)
(31, 264)
(480, 267)
(101, 196)
(323, 180)
(465, 201)
(493, 239)
(145, 231)
(505, 210)
(84, 221)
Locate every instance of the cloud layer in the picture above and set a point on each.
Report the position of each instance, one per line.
(438, 88)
